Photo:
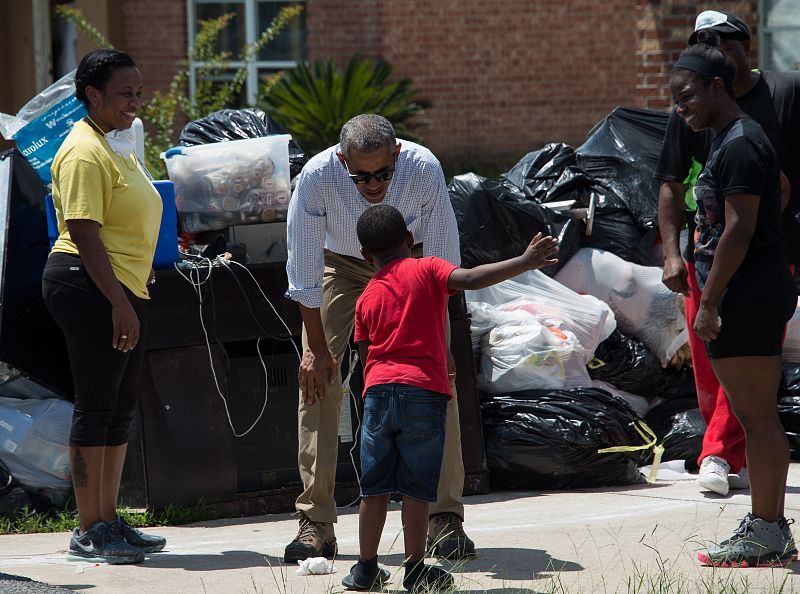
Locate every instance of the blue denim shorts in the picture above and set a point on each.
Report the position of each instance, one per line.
(402, 441)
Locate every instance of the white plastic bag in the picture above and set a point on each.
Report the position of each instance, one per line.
(643, 306)
(44, 446)
(588, 318)
(535, 334)
(791, 343)
(526, 354)
(315, 566)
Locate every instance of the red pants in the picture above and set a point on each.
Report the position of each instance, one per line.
(724, 436)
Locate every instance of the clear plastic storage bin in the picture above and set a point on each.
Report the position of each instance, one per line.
(230, 183)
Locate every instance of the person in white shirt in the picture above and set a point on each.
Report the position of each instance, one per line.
(326, 276)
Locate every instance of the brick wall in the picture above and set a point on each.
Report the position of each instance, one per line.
(339, 28)
(505, 76)
(154, 34)
(663, 28)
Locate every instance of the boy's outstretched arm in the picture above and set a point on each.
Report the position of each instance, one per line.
(541, 251)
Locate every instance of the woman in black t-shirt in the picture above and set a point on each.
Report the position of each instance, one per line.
(748, 294)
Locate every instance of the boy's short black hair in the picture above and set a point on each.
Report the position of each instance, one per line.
(381, 228)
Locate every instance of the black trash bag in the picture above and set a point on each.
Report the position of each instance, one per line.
(239, 124)
(790, 380)
(626, 363)
(550, 175)
(789, 403)
(659, 418)
(621, 152)
(15, 499)
(615, 230)
(537, 172)
(669, 419)
(549, 439)
(496, 222)
(684, 440)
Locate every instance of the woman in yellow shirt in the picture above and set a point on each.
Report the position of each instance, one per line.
(95, 286)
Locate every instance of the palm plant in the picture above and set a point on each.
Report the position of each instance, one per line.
(313, 103)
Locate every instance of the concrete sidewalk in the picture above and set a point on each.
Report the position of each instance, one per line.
(626, 539)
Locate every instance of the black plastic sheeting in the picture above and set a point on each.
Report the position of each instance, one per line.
(29, 338)
(621, 153)
(549, 439)
(496, 222)
(626, 363)
(789, 403)
(684, 441)
(615, 168)
(15, 497)
(239, 124)
(680, 428)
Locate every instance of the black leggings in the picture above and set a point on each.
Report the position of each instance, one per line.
(105, 378)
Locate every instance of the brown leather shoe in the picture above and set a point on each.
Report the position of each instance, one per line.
(447, 539)
(314, 539)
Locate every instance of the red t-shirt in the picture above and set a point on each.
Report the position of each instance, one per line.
(402, 313)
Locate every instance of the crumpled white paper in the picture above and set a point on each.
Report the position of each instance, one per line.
(315, 566)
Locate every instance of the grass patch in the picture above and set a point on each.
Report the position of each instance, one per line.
(28, 522)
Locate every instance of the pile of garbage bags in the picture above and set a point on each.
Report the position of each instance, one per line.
(34, 445)
(611, 174)
(590, 353)
(574, 358)
(536, 339)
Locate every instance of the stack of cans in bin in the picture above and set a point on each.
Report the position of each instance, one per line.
(236, 194)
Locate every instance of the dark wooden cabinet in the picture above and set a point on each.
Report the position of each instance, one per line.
(188, 448)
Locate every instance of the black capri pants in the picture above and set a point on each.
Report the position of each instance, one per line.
(106, 379)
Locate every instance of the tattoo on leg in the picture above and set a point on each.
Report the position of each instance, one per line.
(80, 477)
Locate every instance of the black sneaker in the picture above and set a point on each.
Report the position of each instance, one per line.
(102, 544)
(147, 543)
(428, 578)
(364, 578)
(447, 539)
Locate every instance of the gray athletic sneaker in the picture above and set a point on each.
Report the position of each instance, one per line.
(147, 543)
(102, 544)
(756, 543)
(791, 548)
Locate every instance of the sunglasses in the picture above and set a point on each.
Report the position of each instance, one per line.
(380, 176)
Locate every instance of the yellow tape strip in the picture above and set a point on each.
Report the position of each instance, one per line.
(649, 438)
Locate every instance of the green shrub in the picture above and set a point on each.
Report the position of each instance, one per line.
(313, 103)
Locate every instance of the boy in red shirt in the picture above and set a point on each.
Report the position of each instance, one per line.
(400, 331)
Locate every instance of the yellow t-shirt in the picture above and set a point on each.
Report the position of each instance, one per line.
(92, 182)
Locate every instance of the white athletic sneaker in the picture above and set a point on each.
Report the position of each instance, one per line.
(739, 481)
(714, 475)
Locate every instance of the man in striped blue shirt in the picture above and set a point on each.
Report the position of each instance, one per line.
(326, 276)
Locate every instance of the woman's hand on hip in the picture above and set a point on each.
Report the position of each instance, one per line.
(707, 323)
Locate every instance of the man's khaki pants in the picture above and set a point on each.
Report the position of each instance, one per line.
(344, 280)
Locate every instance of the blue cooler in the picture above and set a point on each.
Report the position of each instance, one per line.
(166, 248)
